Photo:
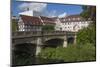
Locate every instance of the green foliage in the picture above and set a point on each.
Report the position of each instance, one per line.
(89, 12)
(14, 25)
(23, 54)
(22, 58)
(87, 35)
(48, 28)
(70, 54)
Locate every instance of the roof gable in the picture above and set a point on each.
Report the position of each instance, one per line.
(36, 20)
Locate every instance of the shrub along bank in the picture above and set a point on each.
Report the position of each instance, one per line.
(70, 54)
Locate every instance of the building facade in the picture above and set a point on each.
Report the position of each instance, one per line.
(29, 21)
(71, 23)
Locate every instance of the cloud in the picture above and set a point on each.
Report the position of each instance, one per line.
(53, 13)
(23, 6)
(39, 7)
(62, 15)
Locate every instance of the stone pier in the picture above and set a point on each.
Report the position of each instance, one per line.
(38, 47)
(65, 42)
(75, 39)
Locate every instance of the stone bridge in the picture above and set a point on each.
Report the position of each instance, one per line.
(40, 37)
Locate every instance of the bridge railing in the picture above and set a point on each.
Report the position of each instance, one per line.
(25, 33)
(54, 32)
(37, 33)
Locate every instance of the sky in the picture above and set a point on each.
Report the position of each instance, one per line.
(48, 9)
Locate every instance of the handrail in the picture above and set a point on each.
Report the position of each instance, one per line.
(39, 33)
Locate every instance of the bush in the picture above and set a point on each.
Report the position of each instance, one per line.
(70, 54)
(48, 28)
(23, 54)
(87, 35)
(14, 25)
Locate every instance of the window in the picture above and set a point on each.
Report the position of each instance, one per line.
(60, 28)
(63, 19)
(78, 18)
(68, 23)
(83, 22)
(74, 18)
(69, 19)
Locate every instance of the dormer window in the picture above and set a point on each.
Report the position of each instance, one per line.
(69, 19)
(74, 18)
(78, 18)
(64, 20)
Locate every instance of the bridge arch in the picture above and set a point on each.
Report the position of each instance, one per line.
(53, 42)
(24, 49)
(54, 37)
(25, 52)
(70, 40)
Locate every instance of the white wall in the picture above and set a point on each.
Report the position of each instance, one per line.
(69, 26)
(21, 26)
(28, 13)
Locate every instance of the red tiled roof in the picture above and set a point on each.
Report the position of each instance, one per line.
(31, 20)
(73, 18)
(48, 20)
(36, 20)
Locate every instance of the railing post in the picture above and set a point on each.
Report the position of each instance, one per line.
(75, 36)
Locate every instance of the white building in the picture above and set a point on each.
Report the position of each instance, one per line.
(32, 21)
(30, 13)
(71, 23)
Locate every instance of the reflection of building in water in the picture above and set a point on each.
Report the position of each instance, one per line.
(29, 21)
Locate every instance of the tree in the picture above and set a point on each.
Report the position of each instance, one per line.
(48, 27)
(88, 35)
(89, 12)
(14, 25)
